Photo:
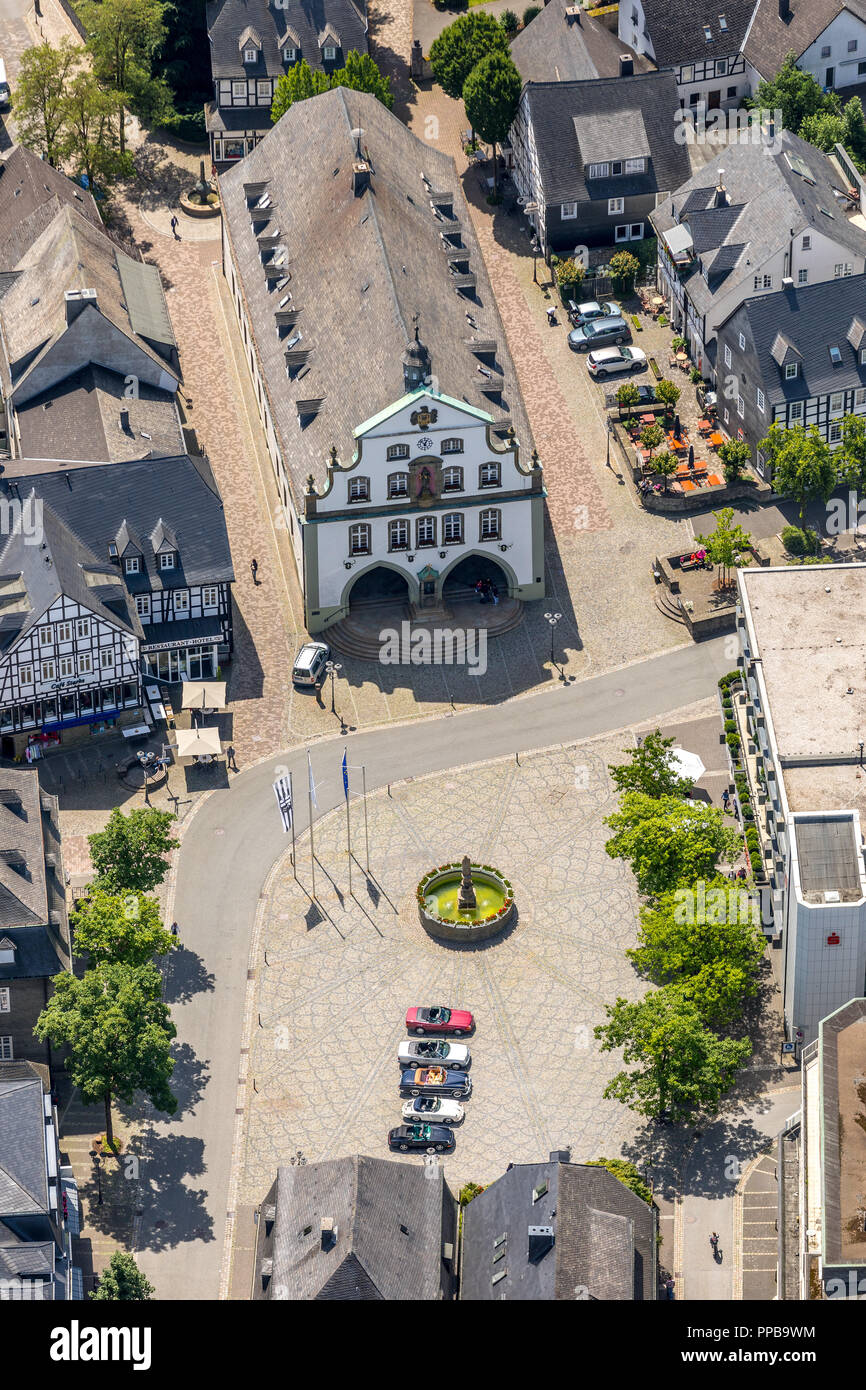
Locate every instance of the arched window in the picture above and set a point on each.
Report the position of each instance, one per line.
(398, 485)
(452, 528)
(452, 479)
(489, 475)
(452, 446)
(490, 524)
(359, 489)
(397, 451)
(359, 539)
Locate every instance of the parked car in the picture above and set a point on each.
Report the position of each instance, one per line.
(435, 1109)
(436, 1081)
(598, 333)
(591, 310)
(309, 666)
(610, 360)
(5, 95)
(646, 395)
(437, 1019)
(432, 1139)
(415, 1051)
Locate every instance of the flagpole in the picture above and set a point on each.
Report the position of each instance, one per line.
(292, 802)
(366, 834)
(348, 824)
(310, 812)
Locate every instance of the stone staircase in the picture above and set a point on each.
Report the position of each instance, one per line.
(358, 635)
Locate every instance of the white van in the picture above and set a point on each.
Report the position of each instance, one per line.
(309, 667)
(5, 95)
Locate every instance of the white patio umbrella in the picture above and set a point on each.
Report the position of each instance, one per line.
(203, 695)
(198, 743)
(687, 764)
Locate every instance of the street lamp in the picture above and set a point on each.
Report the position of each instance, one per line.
(98, 1175)
(553, 619)
(331, 669)
(530, 209)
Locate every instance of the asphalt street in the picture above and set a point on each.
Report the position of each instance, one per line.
(231, 844)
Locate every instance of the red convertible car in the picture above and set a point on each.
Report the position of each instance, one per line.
(439, 1020)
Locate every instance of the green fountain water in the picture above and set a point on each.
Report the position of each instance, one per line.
(442, 900)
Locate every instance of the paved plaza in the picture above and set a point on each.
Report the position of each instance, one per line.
(334, 982)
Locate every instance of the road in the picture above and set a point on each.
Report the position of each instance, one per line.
(231, 844)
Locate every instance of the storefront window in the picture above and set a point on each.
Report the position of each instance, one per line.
(7, 719)
(28, 715)
(234, 149)
(67, 707)
(85, 701)
(49, 711)
(130, 693)
(108, 700)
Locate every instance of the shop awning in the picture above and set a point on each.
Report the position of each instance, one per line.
(198, 743)
(203, 695)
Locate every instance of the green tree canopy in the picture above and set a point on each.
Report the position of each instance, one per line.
(705, 940)
(667, 391)
(681, 1067)
(118, 1032)
(298, 84)
(464, 43)
(850, 458)
(651, 436)
(491, 94)
(803, 466)
(736, 456)
(669, 843)
(39, 99)
(91, 140)
(651, 769)
(795, 93)
(627, 394)
(726, 542)
(301, 82)
(120, 927)
(122, 1281)
(129, 854)
(627, 1174)
(124, 37)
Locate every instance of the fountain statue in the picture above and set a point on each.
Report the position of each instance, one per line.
(466, 901)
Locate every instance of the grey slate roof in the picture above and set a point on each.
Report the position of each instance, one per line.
(360, 267)
(574, 120)
(23, 897)
(603, 1237)
(228, 20)
(80, 419)
(809, 319)
(31, 195)
(770, 38)
(676, 28)
(370, 1199)
(555, 48)
(23, 1174)
(94, 502)
(768, 198)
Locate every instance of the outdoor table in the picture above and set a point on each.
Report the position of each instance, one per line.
(717, 440)
(715, 481)
(136, 731)
(648, 419)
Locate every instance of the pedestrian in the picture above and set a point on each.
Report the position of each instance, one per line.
(479, 589)
(230, 756)
(174, 928)
(551, 316)
(254, 570)
(494, 593)
(726, 798)
(669, 1285)
(174, 231)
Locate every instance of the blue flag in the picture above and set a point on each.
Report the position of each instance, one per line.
(345, 777)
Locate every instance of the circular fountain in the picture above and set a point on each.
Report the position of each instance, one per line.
(202, 200)
(465, 902)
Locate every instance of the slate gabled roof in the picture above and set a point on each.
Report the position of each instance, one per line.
(23, 1173)
(31, 195)
(770, 38)
(370, 1199)
(554, 48)
(228, 20)
(601, 108)
(676, 28)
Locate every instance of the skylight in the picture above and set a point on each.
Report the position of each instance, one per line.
(723, 23)
(708, 33)
(835, 356)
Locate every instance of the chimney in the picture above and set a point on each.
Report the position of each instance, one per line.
(360, 177)
(76, 300)
(572, 14)
(560, 1156)
(541, 1239)
(626, 65)
(124, 421)
(721, 198)
(784, 10)
(329, 1233)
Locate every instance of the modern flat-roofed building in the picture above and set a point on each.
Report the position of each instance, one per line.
(803, 653)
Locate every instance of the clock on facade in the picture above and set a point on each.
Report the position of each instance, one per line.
(425, 444)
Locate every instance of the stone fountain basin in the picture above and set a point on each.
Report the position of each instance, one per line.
(445, 927)
(199, 209)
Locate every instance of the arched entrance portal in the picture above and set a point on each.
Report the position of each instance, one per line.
(379, 588)
(459, 584)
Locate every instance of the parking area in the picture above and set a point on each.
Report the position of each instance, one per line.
(333, 982)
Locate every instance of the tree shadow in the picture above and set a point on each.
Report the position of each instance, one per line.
(187, 976)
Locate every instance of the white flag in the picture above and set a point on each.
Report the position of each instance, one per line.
(283, 793)
(312, 783)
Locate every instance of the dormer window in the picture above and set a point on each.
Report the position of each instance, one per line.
(132, 564)
(635, 166)
(251, 55)
(290, 55)
(7, 956)
(792, 370)
(112, 550)
(168, 559)
(329, 53)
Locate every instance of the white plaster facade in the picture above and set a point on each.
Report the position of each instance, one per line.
(836, 59)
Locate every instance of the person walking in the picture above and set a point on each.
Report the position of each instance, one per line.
(551, 316)
(479, 589)
(174, 929)
(254, 570)
(494, 593)
(174, 227)
(230, 758)
(726, 799)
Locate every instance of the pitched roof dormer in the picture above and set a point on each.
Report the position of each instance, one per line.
(290, 44)
(329, 38)
(785, 352)
(857, 332)
(250, 45)
(162, 537)
(128, 543)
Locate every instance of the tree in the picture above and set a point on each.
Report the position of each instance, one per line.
(124, 37)
(854, 131)
(804, 467)
(529, 14)
(118, 1032)
(627, 395)
(706, 941)
(850, 457)
(91, 143)
(623, 268)
(651, 769)
(129, 854)
(670, 843)
(122, 1281)
(362, 75)
(666, 464)
(682, 1067)
(115, 927)
(793, 92)
(627, 1174)
(40, 113)
(823, 129)
(725, 543)
(736, 457)
(569, 277)
(491, 95)
(510, 23)
(651, 437)
(668, 392)
(298, 84)
(464, 43)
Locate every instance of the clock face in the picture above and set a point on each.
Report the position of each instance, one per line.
(425, 444)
